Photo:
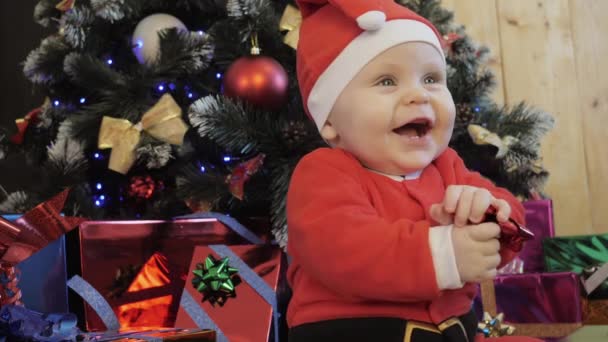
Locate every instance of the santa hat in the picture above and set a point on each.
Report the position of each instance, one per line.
(339, 37)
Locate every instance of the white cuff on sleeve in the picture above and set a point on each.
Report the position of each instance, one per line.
(444, 260)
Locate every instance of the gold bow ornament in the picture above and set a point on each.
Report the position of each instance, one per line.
(483, 136)
(290, 22)
(163, 121)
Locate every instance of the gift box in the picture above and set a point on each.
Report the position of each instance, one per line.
(578, 254)
(140, 267)
(42, 277)
(248, 313)
(156, 335)
(536, 304)
(539, 220)
(583, 255)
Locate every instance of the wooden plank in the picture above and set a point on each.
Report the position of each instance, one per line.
(481, 23)
(589, 29)
(539, 67)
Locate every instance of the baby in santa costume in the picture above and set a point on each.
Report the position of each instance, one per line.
(385, 227)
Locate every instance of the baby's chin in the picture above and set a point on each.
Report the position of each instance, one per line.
(396, 169)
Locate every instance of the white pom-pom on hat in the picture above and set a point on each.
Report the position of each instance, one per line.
(371, 20)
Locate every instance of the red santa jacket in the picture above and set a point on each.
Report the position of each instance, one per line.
(359, 241)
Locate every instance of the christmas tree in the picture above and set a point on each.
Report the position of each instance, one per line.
(160, 108)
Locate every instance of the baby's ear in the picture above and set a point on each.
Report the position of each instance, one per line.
(329, 133)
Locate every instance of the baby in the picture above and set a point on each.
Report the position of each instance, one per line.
(386, 228)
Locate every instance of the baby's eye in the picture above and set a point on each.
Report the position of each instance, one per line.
(430, 80)
(387, 82)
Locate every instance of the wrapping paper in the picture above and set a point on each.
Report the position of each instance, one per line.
(577, 254)
(248, 316)
(539, 219)
(537, 304)
(18, 323)
(595, 312)
(157, 335)
(42, 277)
(137, 265)
(34, 230)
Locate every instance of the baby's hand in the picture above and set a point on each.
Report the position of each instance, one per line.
(476, 250)
(469, 204)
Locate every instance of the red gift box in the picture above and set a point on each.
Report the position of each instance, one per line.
(136, 265)
(248, 316)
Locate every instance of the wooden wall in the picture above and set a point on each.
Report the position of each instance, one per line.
(553, 54)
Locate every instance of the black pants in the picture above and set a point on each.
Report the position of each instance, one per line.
(380, 329)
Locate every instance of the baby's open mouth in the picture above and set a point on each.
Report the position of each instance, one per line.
(414, 129)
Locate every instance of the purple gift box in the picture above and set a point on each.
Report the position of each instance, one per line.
(539, 219)
(537, 298)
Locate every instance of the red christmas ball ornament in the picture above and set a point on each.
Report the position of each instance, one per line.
(258, 80)
(143, 187)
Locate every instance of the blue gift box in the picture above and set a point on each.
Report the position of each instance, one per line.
(43, 277)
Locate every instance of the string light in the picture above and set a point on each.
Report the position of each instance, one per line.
(100, 200)
(56, 103)
(203, 169)
(227, 159)
(97, 155)
(109, 61)
(99, 186)
(190, 95)
(161, 87)
(218, 76)
(83, 100)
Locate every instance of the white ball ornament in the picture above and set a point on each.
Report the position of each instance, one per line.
(145, 41)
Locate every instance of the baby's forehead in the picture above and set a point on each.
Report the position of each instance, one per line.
(409, 56)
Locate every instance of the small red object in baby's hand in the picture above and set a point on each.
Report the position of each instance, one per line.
(512, 234)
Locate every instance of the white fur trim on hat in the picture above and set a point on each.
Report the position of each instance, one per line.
(371, 20)
(356, 55)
